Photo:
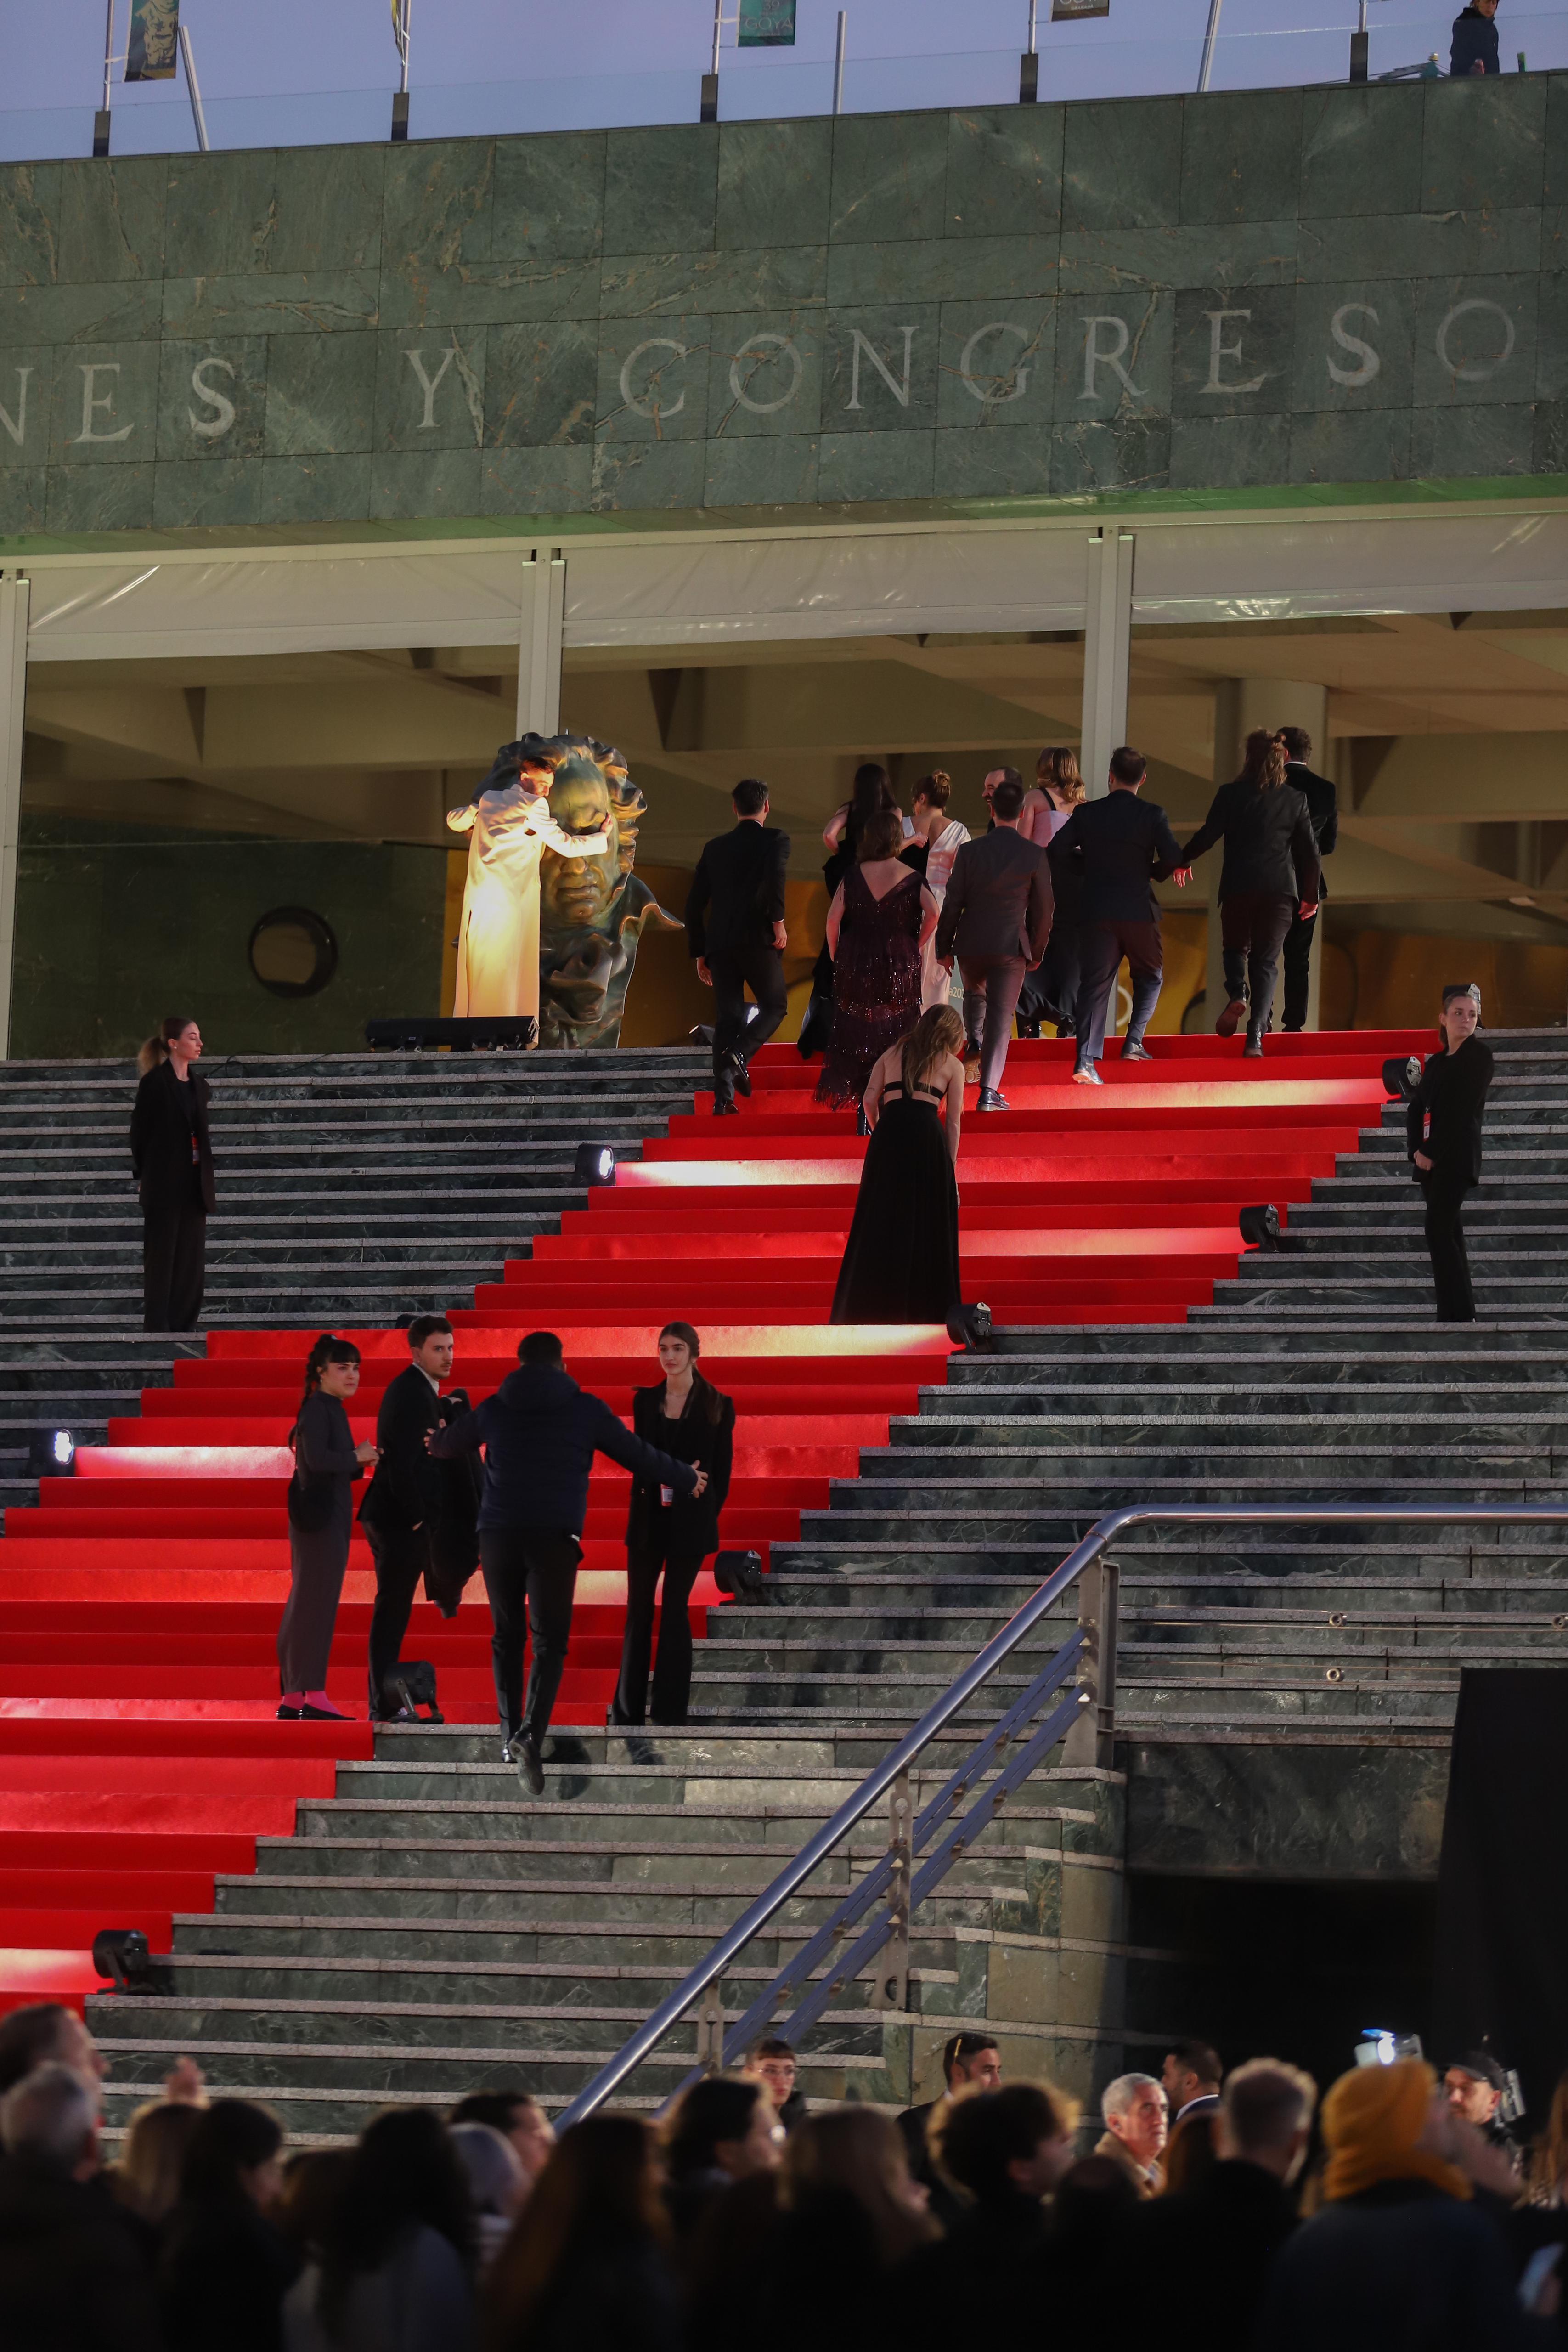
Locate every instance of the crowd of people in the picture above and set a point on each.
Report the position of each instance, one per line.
(1398, 2216)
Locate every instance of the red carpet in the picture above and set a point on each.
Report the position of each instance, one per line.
(139, 1601)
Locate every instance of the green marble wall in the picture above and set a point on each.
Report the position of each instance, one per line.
(114, 932)
(1334, 286)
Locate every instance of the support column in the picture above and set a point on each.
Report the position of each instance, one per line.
(12, 711)
(1240, 705)
(543, 627)
(1107, 638)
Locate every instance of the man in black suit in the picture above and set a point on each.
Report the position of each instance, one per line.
(735, 928)
(995, 917)
(1123, 846)
(1323, 809)
(410, 1498)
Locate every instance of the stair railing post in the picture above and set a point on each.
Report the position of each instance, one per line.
(710, 2028)
(1092, 1739)
(891, 1990)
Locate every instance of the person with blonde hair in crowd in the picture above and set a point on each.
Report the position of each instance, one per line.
(146, 2178)
(1050, 993)
(172, 1162)
(901, 1260)
(1271, 871)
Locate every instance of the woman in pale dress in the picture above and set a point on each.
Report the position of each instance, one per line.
(1052, 992)
(511, 826)
(932, 849)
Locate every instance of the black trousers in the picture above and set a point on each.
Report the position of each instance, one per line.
(991, 988)
(1104, 944)
(1052, 992)
(1252, 928)
(401, 1555)
(673, 1668)
(174, 1265)
(530, 1575)
(1445, 1197)
(733, 970)
(1298, 966)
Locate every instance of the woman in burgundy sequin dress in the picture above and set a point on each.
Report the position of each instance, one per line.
(881, 918)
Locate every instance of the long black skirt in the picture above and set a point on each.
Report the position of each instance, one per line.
(901, 1261)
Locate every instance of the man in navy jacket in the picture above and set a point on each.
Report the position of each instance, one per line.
(1474, 49)
(540, 1432)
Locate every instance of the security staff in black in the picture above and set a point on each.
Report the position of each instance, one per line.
(1270, 869)
(540, 1434)
(1443, 1136)
(735, 929)
(419, 1515)
(172, 1161)
(1322, 812)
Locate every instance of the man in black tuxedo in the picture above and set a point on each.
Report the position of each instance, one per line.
(1323, 810)
(996, 918)
(1122, 846)
(735, 929)
(412, 1500)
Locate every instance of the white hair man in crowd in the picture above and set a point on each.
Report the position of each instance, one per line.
(1135, 2116)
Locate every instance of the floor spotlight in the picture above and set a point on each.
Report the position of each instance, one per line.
(122, 1954)
(52, 1453)
(1401, 1076)
(1261, 1227)
(971, 1326)
(595, 1164)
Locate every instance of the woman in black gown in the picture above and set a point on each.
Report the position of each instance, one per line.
(879, 923)
(901, 1261)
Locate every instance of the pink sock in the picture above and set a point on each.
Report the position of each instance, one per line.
(292, 1698)
(320, 1699)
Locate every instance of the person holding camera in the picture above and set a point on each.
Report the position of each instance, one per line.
(1443, 1136)
(419, 1515)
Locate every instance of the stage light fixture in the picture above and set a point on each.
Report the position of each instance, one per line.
(1261, 1227)
(595, 1164)
(52, 1453)
(1384, 2046)
(969, 1327)
(122, 1955)
(1401, 1076)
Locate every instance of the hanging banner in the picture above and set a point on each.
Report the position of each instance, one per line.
(153, 45)
(766, 25)
(1069, 8)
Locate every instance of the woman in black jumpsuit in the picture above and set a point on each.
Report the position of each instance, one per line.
(1443, 1136)
(671, 1535)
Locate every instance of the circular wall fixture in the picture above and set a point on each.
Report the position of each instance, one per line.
(293, 952)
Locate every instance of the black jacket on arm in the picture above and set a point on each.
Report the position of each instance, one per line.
(1121, 847)
(540, 1432)
(1268, 842)
(160, 1132)
(694, 1518)
(1452, 1094)
(738, 891)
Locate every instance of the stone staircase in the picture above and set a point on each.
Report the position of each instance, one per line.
(1284, 1700)
(352, 1188)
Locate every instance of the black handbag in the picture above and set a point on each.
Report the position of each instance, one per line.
(411, 1685)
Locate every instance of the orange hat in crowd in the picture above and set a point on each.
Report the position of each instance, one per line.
(1373, 2119)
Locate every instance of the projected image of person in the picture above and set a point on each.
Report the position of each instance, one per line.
(1443, 1136)
(901, 1261)
(320, 1521)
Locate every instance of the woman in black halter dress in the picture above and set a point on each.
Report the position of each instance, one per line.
(901, 1261)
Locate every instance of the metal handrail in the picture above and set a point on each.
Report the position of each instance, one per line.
(1095, 1691)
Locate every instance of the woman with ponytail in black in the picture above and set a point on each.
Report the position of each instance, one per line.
(320, 1519)
(172, 1161)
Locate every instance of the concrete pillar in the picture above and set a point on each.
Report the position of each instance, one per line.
(1240, 705)
(13, 712)
(542, 625)
(1107, 637)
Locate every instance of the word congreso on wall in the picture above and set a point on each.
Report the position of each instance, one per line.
(1098, 359)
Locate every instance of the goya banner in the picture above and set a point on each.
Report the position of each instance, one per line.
(766, 25)
(152, 50)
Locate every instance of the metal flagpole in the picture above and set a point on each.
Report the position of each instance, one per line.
(401, 11)
(194, 87)
(1209, 41)
(101, 121)
(708, 106)
(838, 62)
(1029, 64)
